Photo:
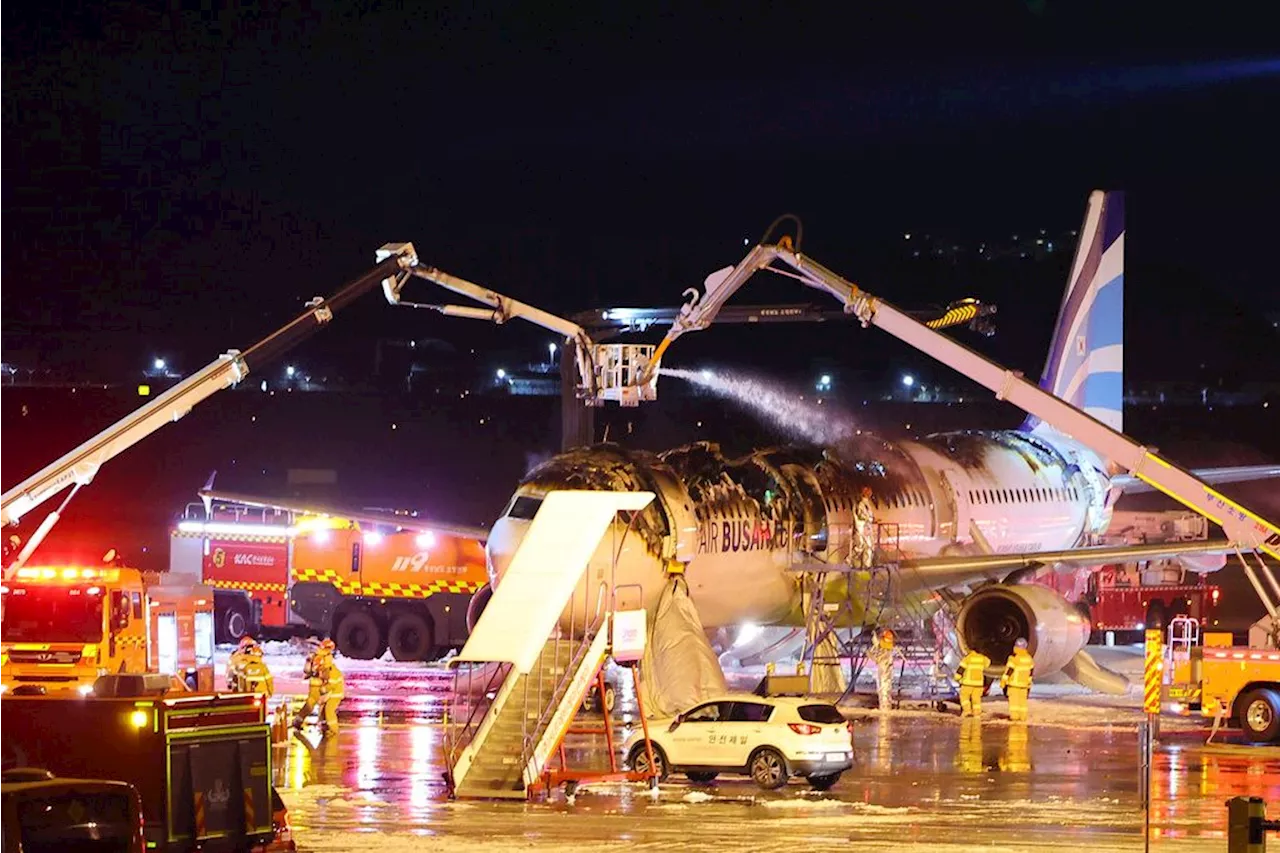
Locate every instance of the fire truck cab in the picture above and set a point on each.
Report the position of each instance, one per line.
(64, 626)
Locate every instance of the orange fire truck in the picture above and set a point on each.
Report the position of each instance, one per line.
(64, 626)
(362, 578)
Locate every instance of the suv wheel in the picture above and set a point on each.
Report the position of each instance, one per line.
(639, 761)
(768, 769)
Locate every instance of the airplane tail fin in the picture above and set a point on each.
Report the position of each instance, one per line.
(1085, 366)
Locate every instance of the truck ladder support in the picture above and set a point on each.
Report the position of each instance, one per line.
(81, 464)
(1244, 527)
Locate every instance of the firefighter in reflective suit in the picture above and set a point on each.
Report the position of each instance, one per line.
(970, 674)
(865, 524)
(883, 653)
(1016, 681)
(247, 671)
(333, 690)
(311, 670)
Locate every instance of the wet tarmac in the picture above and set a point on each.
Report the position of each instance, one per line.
(922, 781)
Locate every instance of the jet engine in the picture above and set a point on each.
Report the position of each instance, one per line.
(994, 617)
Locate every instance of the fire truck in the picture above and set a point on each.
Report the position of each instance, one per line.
(1205, 674)
(243, 554)
(64, 626)
(1131, 597)
(361, 578)
(201, 763)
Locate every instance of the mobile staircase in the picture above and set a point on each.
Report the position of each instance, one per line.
(536, 649)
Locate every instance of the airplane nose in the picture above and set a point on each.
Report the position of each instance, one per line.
(503, 541)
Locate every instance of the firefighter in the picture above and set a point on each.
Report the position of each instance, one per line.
(884, 654)
(333, 689)
(865, 523)
(311, 671)
(1016, 681)
(240, 658)
(971, 673)
(255, 676)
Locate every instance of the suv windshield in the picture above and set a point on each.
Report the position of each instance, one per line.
(62, 614)
(820, 714)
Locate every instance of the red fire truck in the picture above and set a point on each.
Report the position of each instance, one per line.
(1129, 598)
(243, 553)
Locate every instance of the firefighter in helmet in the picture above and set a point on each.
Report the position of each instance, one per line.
(971, 673)
(864, 545)
(1016, 681)
(884, 653)
(311, 671)
(246, 657)
(332, 690)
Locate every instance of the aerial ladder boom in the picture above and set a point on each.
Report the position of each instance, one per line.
(79, 467)
(605, 371)
(1244, 528)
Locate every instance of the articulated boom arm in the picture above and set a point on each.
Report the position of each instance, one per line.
(80, 465)
(605, 371)
(1246, 529)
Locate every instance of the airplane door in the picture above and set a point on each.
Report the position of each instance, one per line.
(953, 513)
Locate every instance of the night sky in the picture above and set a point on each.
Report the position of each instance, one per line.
(177, 181)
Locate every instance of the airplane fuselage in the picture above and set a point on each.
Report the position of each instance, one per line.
(739, 526)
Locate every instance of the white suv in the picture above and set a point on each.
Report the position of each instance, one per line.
(769, 739)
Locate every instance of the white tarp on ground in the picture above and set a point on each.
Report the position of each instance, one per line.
(679, 668)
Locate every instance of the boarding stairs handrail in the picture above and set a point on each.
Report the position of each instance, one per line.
(459, 736)
(578, 653)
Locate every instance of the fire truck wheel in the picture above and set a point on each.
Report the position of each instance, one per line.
(235, 623)
(1259, 713)
(410, 638)
(359, 636)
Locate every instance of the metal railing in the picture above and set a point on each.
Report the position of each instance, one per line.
(577, 650)
(459, 735)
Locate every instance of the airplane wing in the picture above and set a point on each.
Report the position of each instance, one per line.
(945, 571)
(1131, 485)
(404, 522)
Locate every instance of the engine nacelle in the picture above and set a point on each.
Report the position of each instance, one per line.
(994, 617)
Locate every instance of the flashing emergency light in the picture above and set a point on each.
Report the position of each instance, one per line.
(321, 535)
(139, 718)
(372, 537)
(425, 540)
(69, 574)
